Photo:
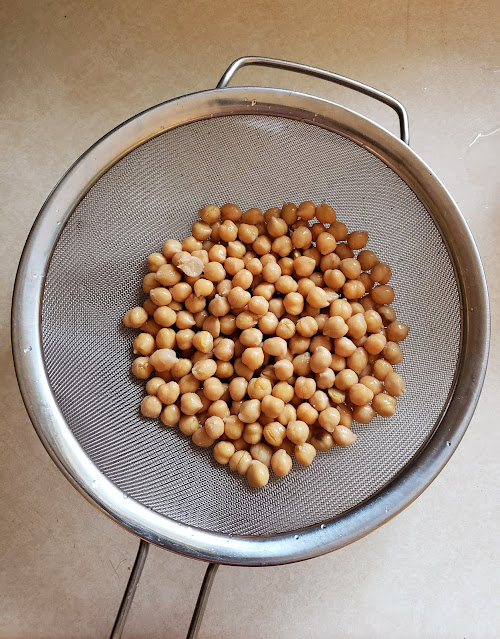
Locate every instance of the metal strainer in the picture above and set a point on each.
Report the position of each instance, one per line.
(82, 269)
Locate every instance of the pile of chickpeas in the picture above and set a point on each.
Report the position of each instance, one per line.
(265, 335)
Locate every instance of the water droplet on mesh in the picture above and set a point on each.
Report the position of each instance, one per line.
(322, 526)
(296, 536)
(27, 349)
(448, 443)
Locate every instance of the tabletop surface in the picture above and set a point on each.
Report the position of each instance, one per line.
(70, 72)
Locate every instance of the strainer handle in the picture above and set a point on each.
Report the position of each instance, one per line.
(324, 75)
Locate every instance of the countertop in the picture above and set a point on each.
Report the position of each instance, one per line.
(70, 72)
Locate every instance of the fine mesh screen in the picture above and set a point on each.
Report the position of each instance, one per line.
(153, 194)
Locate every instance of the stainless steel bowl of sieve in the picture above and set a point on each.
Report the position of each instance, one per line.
(82, 267)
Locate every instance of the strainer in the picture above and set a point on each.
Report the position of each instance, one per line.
(82, 268)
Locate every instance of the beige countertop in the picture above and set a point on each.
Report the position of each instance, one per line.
(73, 70)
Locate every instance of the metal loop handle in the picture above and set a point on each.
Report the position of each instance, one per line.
(324, 75)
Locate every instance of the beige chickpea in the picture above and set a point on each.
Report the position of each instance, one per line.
(188, 384)
(283, 369)
(286, 284)
(214, 272)
(275, 346)
(163, 359)
(289, 213)
(394, 384)
(240, 444)
(188, 424)
(230, 212)
(335, 279)
(317, 298)
(343, 436)
(281, 463)
(184, 339)
(204, 369)
(375, 343)
(149, 306)
(144, 344)
(344, 251)
(341, 308)
(268, 323)
(262, 452)
(297, 432)
(301, 238)
(168, 393)
(165, 316)
(307, 413)
(284, 391)
(224, 350)
(191, 403)
(203, 287)
(276, 227)
(285, 264)
(168, 275)
(289, 414)
(250, 411)
(319, 400)
(353, 289)
(357, 240)
(252, 432)
(363, 414)
(201, 438)
(219, 306)
(155, 260)
(337, 396)
(251, 337)
(381, 273)
(149, 282)
(238, 297)
(345, 379)
(262, 245)
(203, 256)
(344, 346)
(305, 454)
(151, 406)
(245, 320)
(387, 313)
(233, 427)
(135, 317)
(326, 243)
(181, 368)
(374, 384)
(265, 289)
(248, 233)
(285, 329)
(213, 388)
(304, 285)
(236, 249)
(306, 211)
(258, 305)
(345, 413)
(170, 415)
(212, 325)
(373, 321)
(325, 379)
(367, 281)
(274, 433)
(254, 266)
(201, 230)
(257, 474)
(338, 363)
(339, 231)
(282, 246)
(160, 296)
(325, 214)
(322, 440)
(217, 254)
(184, 319)
(195, 304)
(203, 342)
(209, 214)
(329, 262)
(241, 369)
(307, 326)
(298, 344)
(294, 303)
(240, 462)
(367, 259)
(253, 358)
(359, 394)
(227, 324)
(238, 388)
(321, 360)
(302, 364)
(382, 294)
(153, 384)
(367, 303)
(304, 266)
(223, 451)
(397, 331)
(272, 406)
(384, 404)
(329, 418)
(335, 327)
(305, 387)
(228, 231)
(358, 359)
(357, 325)
(271, 272)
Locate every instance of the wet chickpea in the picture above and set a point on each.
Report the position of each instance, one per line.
(305, 387)
(190, 403)
(359, 394)
(234, 265)
(167, 275)
(254, 266)
(335, 327)
(209, 214)
(297, 432)
(298, 344)
(144, 344)
(325, 379)
(262, 452)
(149, 282)
(306, 211)
(168, 393)
(387, 313)
(381, 273)
(321, 360)
(223, 451)
(284, 391)
(219, 306)
(251, 337)
(382, 294)
(285, 329)
(250, 411)
(334, 279)
(258, 305)
(265, 289)
(326, 243)
(363, 414)
(272, 406)
(281, 463)
(252, 433)
(302, 364)
(233, 427)
(356, 325)
(305, 454)
(373, 321)
(213, 388)
(397, 332)
(344, 251)
(253, 358)
(227, 324)
(289, 414)
(181, 368)
(343, 436)
(188, 424)
(317, 298)
(357, 240)
(262, 245)
(245, 320)
(170, 415)
(329, 418)
(135, 317)
(274, 433)
(345, 379)
(268, 323)
(240, 461)
(189, 384)
(322, 440)
(153, 384)
(307, 413)
(341, 308)
(384, 404)
(283, 369)
(392, 353)
(151, 406)
(358, 359)
(214, 272)
(353, 289)
(344, 346)
(201, 230)
(275, 346)
(201, 438)
(217, 254)
(294, 303)
(155, 260)
(394, 384)
(375, 343)
(372, 383)
(338, 363)
(257, 474)
(149, 306)
(301, 238)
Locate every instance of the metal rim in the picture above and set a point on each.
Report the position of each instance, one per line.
(56, 434)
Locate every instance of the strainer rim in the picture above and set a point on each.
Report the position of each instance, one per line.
(55, 432)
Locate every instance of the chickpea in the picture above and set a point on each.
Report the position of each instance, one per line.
(305, 454)
(281, 463)
(321, 360)
(345, 379)
(214, 427)
(168, 275)
(294, 303)
(233, 427)
(305, 387)
(149, 282)
(334, 278)
(203, 342)
(326, 243)
(149, 306)
(306, 413)
(224, 350)
(242, 370)
(285, 329)
(384, 405)
(372, 383)
(307, 326)
(297, 432)
(170, 415)
(151, 406)
(209, 214)
(301, 238)
(272, 406)
(343, 436)
(338, 363)
(344, 346)
(135, 317)
(219, 306)
(322, 440)
(250, 411)
(393, 353)
(144, 344)
(302, 364)
(397, 331)
(342, 308)
(382, 294)
(155, 260)
(262, 245)
(325, 214)
(375, 343)
(268, 323)
(387, 313)
(214, 272)
(373, 321)
(359, 394)
(253, 358)
(317, 298)
(262, 452)
(358, 360)
(245, 320)
(223, 451)
(283, 369)
(254, 266)
(257, 474)
(163, 359)
(298, 344)
(201, 438)
(325, 379)
(275, 346)
(258, 305)
(353, 289)
(394, 384)
(168, 393)
(367, 303)
(188, 424)
(305, 284)
(289, 414)
(217, 254)
(345, 413)
(335, 327)
(190, 403)
(274, 433)
(240, 461)
(363, 414)
(227, 324)
(306, 211)
(252, 433)
(213, 388)
(284, 391)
